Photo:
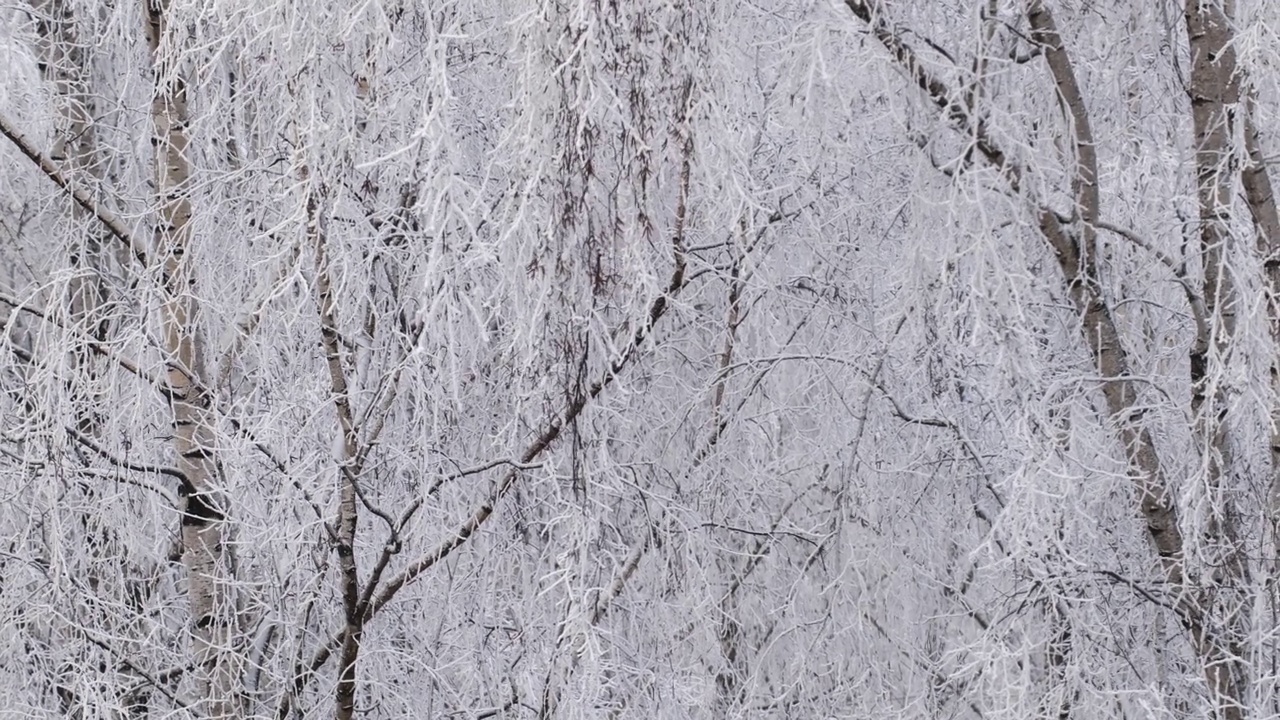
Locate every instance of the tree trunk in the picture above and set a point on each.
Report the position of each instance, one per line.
(205, 552)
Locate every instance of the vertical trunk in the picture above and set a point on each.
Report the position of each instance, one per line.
(63, 63)
(1077, 255)
(205, 553)
(1266, 219)
(348, 508)
(1218, 651)
(1060, 699)
(988, 13)
(1215, 93)
(1215, 98)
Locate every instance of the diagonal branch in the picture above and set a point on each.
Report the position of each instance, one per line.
(104, 215)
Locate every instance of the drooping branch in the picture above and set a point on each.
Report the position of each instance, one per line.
(657, 309)
(1196, 303)
(123, 464)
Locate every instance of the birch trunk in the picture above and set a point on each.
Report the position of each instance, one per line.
(64, 66)
(1260, 196)
(1266, 218)
(1215, 93)
(205, 552)
(63, 62)
(1215, 100)
(1215, 639)
(348, 510)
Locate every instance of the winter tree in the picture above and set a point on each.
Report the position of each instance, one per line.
(655, 359)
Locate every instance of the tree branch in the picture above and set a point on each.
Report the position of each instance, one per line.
(109, 219)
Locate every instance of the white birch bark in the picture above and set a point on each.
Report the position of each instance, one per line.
(206, 554)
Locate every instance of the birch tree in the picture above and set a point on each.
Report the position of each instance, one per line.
(657, 359)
